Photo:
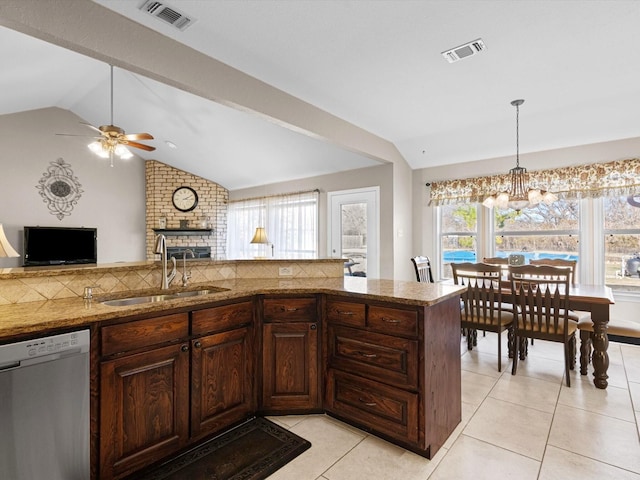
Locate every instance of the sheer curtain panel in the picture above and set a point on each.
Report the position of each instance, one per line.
(290, 221)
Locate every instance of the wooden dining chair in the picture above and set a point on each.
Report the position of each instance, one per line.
(577, 315)
(422, 266)
(540, 296)
(482, 303)
(558, 262)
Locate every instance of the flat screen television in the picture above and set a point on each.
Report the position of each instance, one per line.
(59, 246)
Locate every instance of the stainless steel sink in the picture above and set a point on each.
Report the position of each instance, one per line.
(123, 302)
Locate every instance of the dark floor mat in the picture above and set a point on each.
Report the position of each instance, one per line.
(252, 451)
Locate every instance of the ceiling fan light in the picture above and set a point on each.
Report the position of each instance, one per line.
(123, 152)
(98, 148)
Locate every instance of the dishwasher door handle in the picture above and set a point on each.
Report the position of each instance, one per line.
(41, 359)
(9, 366)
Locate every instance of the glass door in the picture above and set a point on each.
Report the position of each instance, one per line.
(354, 234)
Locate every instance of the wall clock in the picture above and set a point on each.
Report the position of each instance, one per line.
(185, 199)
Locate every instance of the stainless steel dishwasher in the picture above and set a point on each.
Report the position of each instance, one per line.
(44, 408)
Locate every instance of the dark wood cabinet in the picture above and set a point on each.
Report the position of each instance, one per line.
(169, 381)
(144, 414)
(152, 403)
(290, 355)
(221, 381)
(394, 369)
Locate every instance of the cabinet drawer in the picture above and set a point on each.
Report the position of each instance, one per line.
(289, 309)
(144, 333)
(393, 321)
(377, 406)
(347, 313)
(221, 318)
(381, 357)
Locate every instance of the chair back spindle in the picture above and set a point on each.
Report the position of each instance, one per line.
(422, 267)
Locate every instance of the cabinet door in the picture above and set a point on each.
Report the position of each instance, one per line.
(290, 367)
(222, 381)
(144, 409)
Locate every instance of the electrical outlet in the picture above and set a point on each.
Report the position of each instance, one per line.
(285, 271)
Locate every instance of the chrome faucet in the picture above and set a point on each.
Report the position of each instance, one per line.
(161, 248)
(186, 276)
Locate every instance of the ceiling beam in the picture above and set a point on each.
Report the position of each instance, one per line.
(93, 30)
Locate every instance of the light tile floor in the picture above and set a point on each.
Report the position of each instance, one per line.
(528, 426)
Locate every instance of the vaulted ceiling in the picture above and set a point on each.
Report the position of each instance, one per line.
(374, 64)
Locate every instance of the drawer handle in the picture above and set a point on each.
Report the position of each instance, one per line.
(390, 320)
(368, 355)
(368, 404)
(290, 309)
(340, 312)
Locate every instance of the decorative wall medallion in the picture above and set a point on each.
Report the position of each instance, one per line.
(60, 189)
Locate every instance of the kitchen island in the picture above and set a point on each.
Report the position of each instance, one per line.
(382, 355)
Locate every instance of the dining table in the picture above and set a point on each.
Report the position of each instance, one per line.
(597, 300)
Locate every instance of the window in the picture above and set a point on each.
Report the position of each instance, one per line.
(544, 231)
(622, 240)
(458, 234)
(290, 221)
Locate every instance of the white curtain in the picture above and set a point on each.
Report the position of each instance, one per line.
(290, 221)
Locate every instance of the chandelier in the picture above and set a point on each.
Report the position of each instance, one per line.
(519, 195)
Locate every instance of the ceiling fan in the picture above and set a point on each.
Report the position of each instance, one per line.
(113, 139)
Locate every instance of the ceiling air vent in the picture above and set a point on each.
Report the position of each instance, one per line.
(168, 14)
(464, 51)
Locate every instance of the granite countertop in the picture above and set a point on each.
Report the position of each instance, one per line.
(34, 317)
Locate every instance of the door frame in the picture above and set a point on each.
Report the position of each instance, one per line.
(370, 196)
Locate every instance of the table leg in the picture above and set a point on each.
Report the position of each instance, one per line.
(600, 343)
(585, 351)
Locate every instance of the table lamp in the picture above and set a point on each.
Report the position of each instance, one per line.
(260, 237)
(6, 250)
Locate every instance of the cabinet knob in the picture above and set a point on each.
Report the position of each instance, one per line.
(197, 344)
(313, 326)
(184, 348)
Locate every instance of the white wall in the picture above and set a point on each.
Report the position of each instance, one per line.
(113, 199)
(403, 223)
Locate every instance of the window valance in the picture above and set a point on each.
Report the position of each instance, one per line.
(620, 177)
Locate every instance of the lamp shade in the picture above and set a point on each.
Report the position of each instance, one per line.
(260, 236)
(6, 250)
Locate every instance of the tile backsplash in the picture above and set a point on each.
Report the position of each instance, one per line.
(24, 285)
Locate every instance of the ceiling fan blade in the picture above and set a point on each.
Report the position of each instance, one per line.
(73, 135)
(90, 126)
(139, 136)
(140, 146)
